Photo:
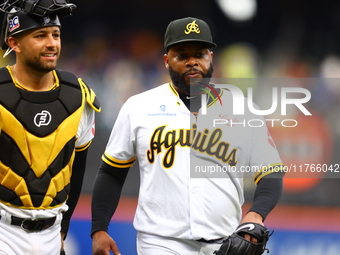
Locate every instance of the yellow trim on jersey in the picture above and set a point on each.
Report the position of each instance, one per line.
(17, 84)
(273, 168)
(173, 89)
(116, 162)
(83, 147)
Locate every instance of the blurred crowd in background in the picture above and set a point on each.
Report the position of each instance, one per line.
(117, 48)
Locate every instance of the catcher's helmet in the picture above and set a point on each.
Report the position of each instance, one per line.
(19, 21)
(22, 15)
(39, 7)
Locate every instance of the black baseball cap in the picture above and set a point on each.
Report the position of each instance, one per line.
(188, 29)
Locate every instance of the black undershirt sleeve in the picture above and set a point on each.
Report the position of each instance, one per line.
(267, 194)
(76, 183)
(106, 194)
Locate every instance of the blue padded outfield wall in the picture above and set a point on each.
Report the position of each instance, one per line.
(282, 242)
(298, 230)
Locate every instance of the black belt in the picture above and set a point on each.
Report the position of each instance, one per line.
(211, 241)
(32, 225)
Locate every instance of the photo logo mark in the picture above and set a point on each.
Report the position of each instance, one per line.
(239, 100)
(207, 91)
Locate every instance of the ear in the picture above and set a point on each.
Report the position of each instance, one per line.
(13, 43)
(166, 61)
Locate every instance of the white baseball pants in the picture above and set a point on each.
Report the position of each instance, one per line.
(16, 241)
(156, 245)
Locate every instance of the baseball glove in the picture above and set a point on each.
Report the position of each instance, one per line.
(235, 244)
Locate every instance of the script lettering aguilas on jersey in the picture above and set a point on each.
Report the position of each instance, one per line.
(204, 142)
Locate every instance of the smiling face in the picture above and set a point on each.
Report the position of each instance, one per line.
(38, 49)
(188, 61)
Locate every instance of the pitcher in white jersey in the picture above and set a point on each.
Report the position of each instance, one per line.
(182, 208)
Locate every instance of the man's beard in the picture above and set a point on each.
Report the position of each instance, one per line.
(196, 84)
(40, 66)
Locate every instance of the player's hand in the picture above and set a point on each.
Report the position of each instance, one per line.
(250, 238)
(102, 244)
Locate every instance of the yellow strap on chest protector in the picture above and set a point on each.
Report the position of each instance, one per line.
(90, 96)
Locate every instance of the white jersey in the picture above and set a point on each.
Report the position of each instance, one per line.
(86, 128)
(178, 197)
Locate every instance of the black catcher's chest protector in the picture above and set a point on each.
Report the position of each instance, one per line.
(37, 141)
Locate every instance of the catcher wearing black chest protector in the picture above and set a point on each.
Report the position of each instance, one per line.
(47, 118)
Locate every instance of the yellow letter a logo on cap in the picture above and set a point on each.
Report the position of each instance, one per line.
(192, 27)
